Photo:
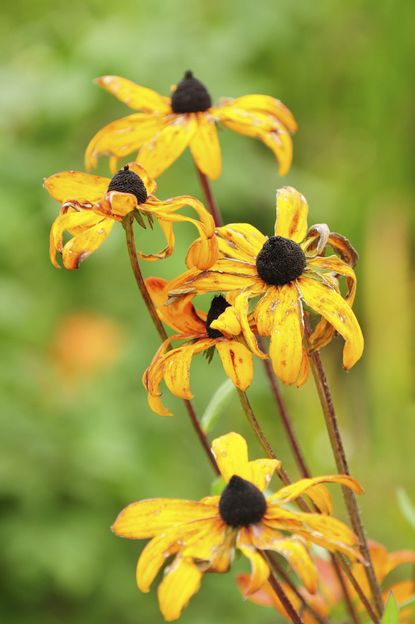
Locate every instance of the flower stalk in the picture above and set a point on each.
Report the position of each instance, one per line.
(132, 253)
(285, 601)
(342, 465)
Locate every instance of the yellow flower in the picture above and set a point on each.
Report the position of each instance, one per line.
(92, 204)
(330, 596)
(164, 127)
(194, 326)
(286, 271)
(202, 536)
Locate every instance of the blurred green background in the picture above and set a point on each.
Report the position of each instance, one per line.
(78, 440)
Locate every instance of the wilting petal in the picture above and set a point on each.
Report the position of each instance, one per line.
(262, 471)
(76, 186)
(231, 454)
(240, 241)
(286, 346)
(338, 267)
(147, 180)
(73, 221)
(259, 567)
(292, 549)
(264, 311)
(166, 252)
(134, 95)
(149, 517)
(180, 315)
(121, 204)
(269, 105)
(237, 362)
(123, 136)
(341, 245)
(292, 211)
(304, 370)
(205, 147)
(227, 323)
(316, 240)
(280, 143)
(82, 245)
(177, 367)
(327, 302)
(180, 583)
(166, 146)
(307, 486)
(220, 277)
(241, 306)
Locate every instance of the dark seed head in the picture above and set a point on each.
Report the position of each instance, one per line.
(217, 307)
(280, 261)
(191, 96)
(126, 181)
(241, 503)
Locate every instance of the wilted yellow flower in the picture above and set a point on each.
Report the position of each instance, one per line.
(195, 327)
(203, 535)
(329, 597)
(92, 204)
(165, 126)
(286, 271)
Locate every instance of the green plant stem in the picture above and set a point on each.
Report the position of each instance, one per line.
(128, 225)
(339, 453)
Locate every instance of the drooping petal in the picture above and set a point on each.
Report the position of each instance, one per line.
(280, 143)
(150, 517)
(259, 567)
(241, 306)
(180, 315)
(123, 136)
(180, 583)
(327, 302)
(78, 248)
(286, 346)
(237, 362)
(205, 147)
(158, 153)
(292, 549)
(227, 323)
(291, 214)
(134, 95)
(74, 221)
(177, 367)
(307, 486)
(264, 312)
(76, 186)
(341, 245)
(269, 105)
(166, 252)
(231, 454)
(316, 240)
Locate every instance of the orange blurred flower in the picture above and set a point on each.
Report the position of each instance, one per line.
(165, 126)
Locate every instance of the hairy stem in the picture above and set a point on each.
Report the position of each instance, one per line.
(339, 453)
(132, 253)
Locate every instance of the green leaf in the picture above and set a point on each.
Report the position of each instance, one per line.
(391, 613)
(406, 506)
(216, 405)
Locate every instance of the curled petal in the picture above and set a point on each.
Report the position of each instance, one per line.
(180, 583)
(343, 247)
(74, 221)
(121, 204)
(134, 95)
(180, 315)
(164, 147)
(291, 214)
(227, 323)
(152, 516)
(237, 362)
(167, 229)
(231, 454)
(316, 240)
(76, 186)
(327, 302)
(259, 567)
(286, 346)
(205, 147)
(123, 136)
(148, 181)
(308, 486)
(280, 143)
(270, 106)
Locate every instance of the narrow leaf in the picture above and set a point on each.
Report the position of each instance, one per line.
(406, 506)
(391, 613)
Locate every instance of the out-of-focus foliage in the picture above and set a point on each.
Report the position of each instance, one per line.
(78, 441)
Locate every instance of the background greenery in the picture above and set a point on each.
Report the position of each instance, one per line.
(78, 440)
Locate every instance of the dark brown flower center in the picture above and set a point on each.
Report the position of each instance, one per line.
(280, 261)
(126, 181)
(241, 503)
(217, 307)
(191, 96)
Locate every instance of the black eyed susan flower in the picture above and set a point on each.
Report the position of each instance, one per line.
(92, 204)
(164, 127)
(195, 328)
(202, 536)
(286, 272)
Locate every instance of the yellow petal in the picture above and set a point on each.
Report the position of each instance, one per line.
(262, 471)
(150, 517)
(166, 252)
(308, 486)
(147, 180)
(74, 221)
(231, 454)
(180, 315)
(134, 95)
(292, 211)
(177, 367)
(122, 203)
(268, 105)
(316, 240)
(280, 143)
(204, 543)
(241, 305)
(180, 583)
(237, 362)
(78, 248)
(123, 136)
(227, 323)
(76, 186)
(205, 147)
(327, 302)
(286, 346)
(166, 146)
(259, 567)
(220, 277)
(341, 245)
(264, 312)
(240, 241)
(224, 553)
